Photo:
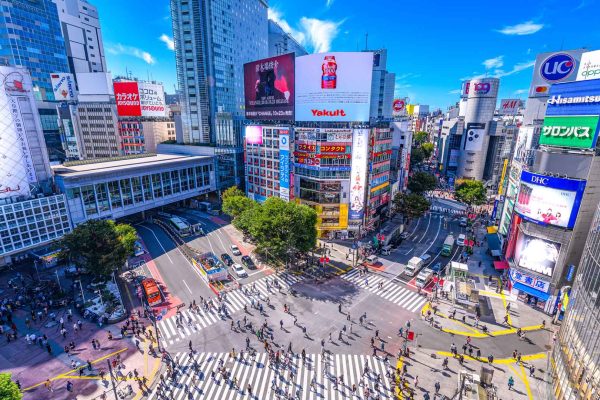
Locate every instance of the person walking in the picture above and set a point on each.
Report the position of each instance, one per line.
(511, 383)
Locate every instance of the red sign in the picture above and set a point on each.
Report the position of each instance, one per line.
(128, 99)
(410, 335)
(326, 148)
(335, 156)
(398, 105)
(307, 147)
(308, 161)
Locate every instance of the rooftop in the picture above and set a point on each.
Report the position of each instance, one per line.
(124, 164)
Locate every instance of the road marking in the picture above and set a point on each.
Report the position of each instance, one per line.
(411, 249)
(415, 228)
(186, 285)
(426, 229)
(501, 361)
(158, 241)
(436, 236)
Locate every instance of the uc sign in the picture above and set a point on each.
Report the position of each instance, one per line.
(557, 67)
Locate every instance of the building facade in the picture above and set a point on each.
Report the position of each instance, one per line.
(378, 177)
(383, 85)
(97, 130)
(132, 137)
(281, 42)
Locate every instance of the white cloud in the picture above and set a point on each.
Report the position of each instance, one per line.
(278, 17)
(521, 91)
(525, 28)
(492, 63)
(329, 3)
(119, 49)
(455, 91)
(499, 73)
(166, 39)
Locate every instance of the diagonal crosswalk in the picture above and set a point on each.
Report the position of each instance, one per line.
(389, 290)
(270, 382)
(193, 322)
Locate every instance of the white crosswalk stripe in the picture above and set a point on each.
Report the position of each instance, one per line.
(389, 290)
(334, 377)
(192, 322)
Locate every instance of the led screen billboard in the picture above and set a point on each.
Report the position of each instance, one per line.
(127, 97)
(535, 254)
(284, 164)
(358, 173)
(334, 86)
(547, 200)
(254, 134)
(269, 88)
(570, 131)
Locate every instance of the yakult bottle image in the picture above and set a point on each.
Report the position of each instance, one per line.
(329, 77)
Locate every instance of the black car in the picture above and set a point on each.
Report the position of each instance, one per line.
(247, 261)
(227, 259)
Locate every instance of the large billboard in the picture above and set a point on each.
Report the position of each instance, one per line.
(284, 164)
(574, 98)
(590, 66)
(474, 136)
(570, 131)
(358, 173)
(334, 86)
(548, 200)
(551, 68)
(510, 106)
(127, 97)
(152, 99)
(399, 107)
(254, 134)
(63, 86)
(535, 254)
(269, 88)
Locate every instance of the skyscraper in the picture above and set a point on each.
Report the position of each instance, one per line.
(281, 42)
(383, 85)
(30, 36)
(213, 40)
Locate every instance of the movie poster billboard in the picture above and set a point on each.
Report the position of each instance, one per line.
(358, 173)
(269, 88)
(334, 86)
(548, 200)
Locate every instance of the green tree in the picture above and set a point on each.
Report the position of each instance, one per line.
(421, 182)
(8, 389)
(427, 149)
(411, 205)
(420, 137)
(232, 191)
(471, 192)
(99, 246)
(234, 206)
(416, 156)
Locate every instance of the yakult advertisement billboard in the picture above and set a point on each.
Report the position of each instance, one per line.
(334, 86)
(269, 88)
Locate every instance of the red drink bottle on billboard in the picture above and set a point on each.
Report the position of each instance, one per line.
(329, 77)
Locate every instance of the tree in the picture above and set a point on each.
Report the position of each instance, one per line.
(427, 149)
(9, 389)
(471, 192)
(234, 206)
(99, 246)
(411, 205)
(420, 137)
(416, 156)
(232, 191)
(421, 182)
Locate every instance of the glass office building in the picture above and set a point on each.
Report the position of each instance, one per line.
(30, 36)
(575, 362)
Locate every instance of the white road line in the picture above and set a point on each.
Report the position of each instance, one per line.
(157, 241)
(426, 229)
(186, 285)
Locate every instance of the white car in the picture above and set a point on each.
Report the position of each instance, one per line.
(235, 250)
(239, 271)
(460, 241)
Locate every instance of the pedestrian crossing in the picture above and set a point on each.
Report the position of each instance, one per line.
(194, 321)
(269, 382)
(389, 290)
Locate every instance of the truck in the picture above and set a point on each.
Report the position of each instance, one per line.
(448, 246)
(424, 277)
(413, 266)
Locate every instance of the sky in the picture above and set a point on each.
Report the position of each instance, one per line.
(433, 45)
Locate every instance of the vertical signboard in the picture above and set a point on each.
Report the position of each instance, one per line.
(128, 99)
(551, 68)
(152, 99)
(284, 164)
(63, 86)
(358, 173)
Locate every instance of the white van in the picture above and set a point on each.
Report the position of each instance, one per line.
(460, 240)
(386, 250)
(424, 277)
(413, 265)
(372, 260)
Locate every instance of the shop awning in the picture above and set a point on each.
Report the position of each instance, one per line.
(529, 290)
(499, 265)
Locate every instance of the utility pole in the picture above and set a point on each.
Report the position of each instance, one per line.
(112, 381)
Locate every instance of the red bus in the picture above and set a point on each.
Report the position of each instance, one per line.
(152, 292)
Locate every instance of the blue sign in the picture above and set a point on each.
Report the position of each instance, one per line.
(574, 98)
(495, 209)
(284, 166)
(570, 273)
(557, 67)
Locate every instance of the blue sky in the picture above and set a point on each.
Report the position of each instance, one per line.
(432, 45)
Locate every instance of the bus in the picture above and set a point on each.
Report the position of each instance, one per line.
(152, 292)
(180, 226)
(448, 246)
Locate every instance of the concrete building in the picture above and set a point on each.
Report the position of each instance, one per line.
(378, 177)
(158, 131)
(383, 85)
(400, 159)
(96, 128)
(281, 42)
(131, 136)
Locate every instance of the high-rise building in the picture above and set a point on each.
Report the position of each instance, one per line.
(213, 40)
(383, 85)
(281, 42)
(31, 36)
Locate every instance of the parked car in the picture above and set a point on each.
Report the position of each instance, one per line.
(239, 271)
(463, 222)
(460, 241)
(226, 258)
(437, 268)
(247, 261)
(235, 250)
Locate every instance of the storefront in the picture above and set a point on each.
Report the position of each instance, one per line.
(529, 288)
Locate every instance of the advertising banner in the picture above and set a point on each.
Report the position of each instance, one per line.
(474, 137)
(305, 135)
(152, 99)
(328, 148)
(128, 99)
(399, 107)
(344, 136)
(334, 86)
(551, 68)
(358, 173)
(63, 86)
(482, 87)
(269, 88)
(529, 280)
(547, 200)
(574, 98)
(590, 66)
(573, 131)
(307, 147)
(535, 254)
(509, 106)
(284, 164)
(253, 134)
